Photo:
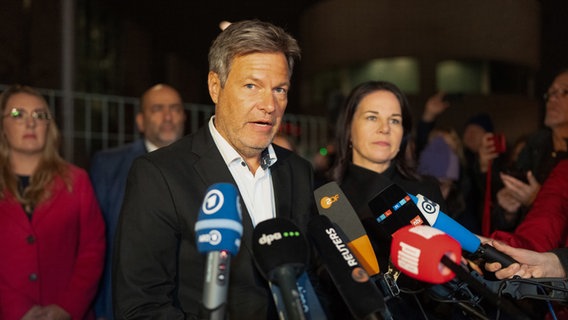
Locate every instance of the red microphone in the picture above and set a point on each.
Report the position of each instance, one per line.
(418, 252)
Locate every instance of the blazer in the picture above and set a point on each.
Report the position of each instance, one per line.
(158, 272)
(57, 256)
(109, 170)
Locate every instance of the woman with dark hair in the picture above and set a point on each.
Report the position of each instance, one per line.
(51, 228)
(372, 134)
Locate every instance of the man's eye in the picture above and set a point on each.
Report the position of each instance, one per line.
(178, 108)
(156, 108)
(250, 86)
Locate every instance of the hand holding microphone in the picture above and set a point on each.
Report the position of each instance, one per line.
(428, 254)
(218, 234)
(532, 264)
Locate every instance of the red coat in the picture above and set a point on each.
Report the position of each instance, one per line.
(546, 225)
(57, 256)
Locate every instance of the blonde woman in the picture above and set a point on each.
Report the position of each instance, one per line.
(51, 228)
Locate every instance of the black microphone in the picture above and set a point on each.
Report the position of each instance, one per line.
(281, 254)
(393, 208)
(218, 233)
(353, 283)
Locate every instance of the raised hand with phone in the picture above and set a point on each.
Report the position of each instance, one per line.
(492, 145)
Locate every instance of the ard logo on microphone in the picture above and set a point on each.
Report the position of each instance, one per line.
(268, 239)
(326, 202)
(214, 200)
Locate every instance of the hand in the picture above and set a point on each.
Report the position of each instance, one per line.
(486, 152)
(35, 312)
(532, 264)
(434, 107)
(506, 200)
(522, 192)
(55, 312)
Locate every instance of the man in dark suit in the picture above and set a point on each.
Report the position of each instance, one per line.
(161, 119)
(158, 272)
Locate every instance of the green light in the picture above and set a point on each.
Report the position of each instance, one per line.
(323, 151)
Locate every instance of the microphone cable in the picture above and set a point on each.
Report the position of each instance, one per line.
(540, 288)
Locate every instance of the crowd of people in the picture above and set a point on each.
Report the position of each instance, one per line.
(119, 242)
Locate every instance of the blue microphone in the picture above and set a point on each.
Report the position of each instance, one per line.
(393, 208)
(218, 234)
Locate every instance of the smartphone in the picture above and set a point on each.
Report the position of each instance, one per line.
(500, 143)
(517, 174)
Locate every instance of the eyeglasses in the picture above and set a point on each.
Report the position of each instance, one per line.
(561, 93)
(20, 115)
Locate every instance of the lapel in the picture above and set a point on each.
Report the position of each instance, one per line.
(212, 169)
(282, 184)
(9, 206)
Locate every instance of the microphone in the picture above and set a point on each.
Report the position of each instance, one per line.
(360, 294)
(428, 254)
(218, 234)
(424, 262)
(393, 208)
(281, 254)
(332, 202)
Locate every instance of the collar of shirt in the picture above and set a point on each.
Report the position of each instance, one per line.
(150, 146)
(255, 189)
(230, 155)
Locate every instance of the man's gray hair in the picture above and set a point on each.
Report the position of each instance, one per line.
(246, 37)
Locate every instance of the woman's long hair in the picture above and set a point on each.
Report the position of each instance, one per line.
(50, 166)
(344, 124)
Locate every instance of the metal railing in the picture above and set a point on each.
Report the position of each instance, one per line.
(106, 121)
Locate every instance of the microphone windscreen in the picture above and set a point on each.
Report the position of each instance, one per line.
(219, 223)
(353, 283)
(417, 251)
(278, 242)
(332, 203)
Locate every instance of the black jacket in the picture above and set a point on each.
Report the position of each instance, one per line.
(158, 272)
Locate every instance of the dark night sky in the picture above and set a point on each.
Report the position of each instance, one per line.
(188, 27)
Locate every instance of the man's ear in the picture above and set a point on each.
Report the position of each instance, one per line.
(214, 85)
(140, 122)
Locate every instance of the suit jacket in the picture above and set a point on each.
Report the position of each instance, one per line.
(57, 256)
(158, 272)
(109, 170)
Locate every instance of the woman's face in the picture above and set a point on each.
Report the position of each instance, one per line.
(376, 131)
(25, 122)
